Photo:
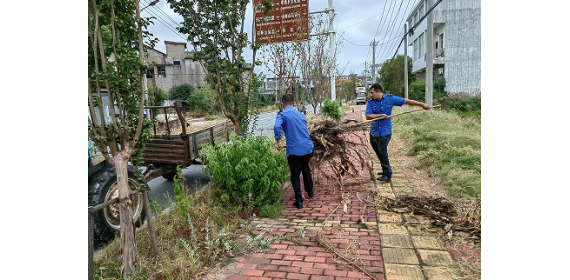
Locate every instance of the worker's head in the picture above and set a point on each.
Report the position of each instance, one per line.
(287, 100)
(376, 91)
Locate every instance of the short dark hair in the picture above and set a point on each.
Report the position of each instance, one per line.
(376, 87)
(287, 99)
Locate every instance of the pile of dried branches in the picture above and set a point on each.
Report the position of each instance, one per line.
(441, 213)
(334, 150)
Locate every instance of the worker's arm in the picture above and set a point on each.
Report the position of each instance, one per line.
(277, 131)
(368, 113)
(375, 116)
(416, 103)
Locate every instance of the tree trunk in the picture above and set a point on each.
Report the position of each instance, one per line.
(127, 232)
(237, 125)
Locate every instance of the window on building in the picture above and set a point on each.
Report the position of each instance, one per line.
(176, 63)
(421, 45)
(421, 11)
(441, 40)
(416, 18)
(150, 72)
(416, 49)
(161, 71)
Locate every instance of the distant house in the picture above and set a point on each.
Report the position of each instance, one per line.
(456, 44)
(174, 67)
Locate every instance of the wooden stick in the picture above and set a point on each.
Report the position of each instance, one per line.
(149, 221)
(382, 118)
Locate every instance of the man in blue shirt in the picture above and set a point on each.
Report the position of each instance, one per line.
(299, 146)
(380, 106)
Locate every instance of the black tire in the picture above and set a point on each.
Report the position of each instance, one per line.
(169, 176)
(105, 226)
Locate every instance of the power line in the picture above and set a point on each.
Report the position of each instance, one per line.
(162, 12)
(155, 13)
(169, 27)
(416, 25)
(388, 29)
(342, 35)
(360, 22)
(386, 53)
(381, 21)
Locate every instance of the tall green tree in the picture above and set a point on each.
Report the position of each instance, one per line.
(348, 89)
(180, 92)
(216, 31)
(115, 65)
(391, 76)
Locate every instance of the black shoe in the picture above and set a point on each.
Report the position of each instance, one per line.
(298, 204)
(311, 194)
(380, 173)
(384, 179)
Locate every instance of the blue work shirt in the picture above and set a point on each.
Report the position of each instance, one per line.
(383, 106)
(294, 124)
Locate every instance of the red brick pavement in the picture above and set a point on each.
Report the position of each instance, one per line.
(286, 260)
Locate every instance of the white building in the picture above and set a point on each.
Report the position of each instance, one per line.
(174, 67)
(456, 44)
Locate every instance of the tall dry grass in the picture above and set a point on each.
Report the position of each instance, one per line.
(447, 145)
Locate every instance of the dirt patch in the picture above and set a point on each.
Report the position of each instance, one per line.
(422, 182)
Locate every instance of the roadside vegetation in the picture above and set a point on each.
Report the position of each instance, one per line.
(447, 144)
(207, 226)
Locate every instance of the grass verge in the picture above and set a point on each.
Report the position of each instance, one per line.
(189, 244)
(447, 145)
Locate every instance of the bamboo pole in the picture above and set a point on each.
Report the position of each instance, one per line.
(91, 245)
(389, 117)
(149, 221)
(181, 117)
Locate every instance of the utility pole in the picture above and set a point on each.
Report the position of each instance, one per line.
(406, 60)
(332, 50)
(373, 60)
(429, 55)
(365, 75)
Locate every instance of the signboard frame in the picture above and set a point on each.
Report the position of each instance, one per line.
(287, 21)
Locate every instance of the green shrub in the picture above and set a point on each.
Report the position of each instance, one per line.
(417, 90)
(466, 106)
(203, 101)
(439, 89)
(271, 211)
(250, 173)
(156, 96)
(332, 109)
(180, 92)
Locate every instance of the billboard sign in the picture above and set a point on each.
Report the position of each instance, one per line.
(288, 21)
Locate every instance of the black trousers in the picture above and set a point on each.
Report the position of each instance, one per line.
(380, 146)
(298, 165)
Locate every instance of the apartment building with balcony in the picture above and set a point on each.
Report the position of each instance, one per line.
(456, 44)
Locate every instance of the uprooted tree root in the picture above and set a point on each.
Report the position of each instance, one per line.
(333, 149)
(441, 212)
